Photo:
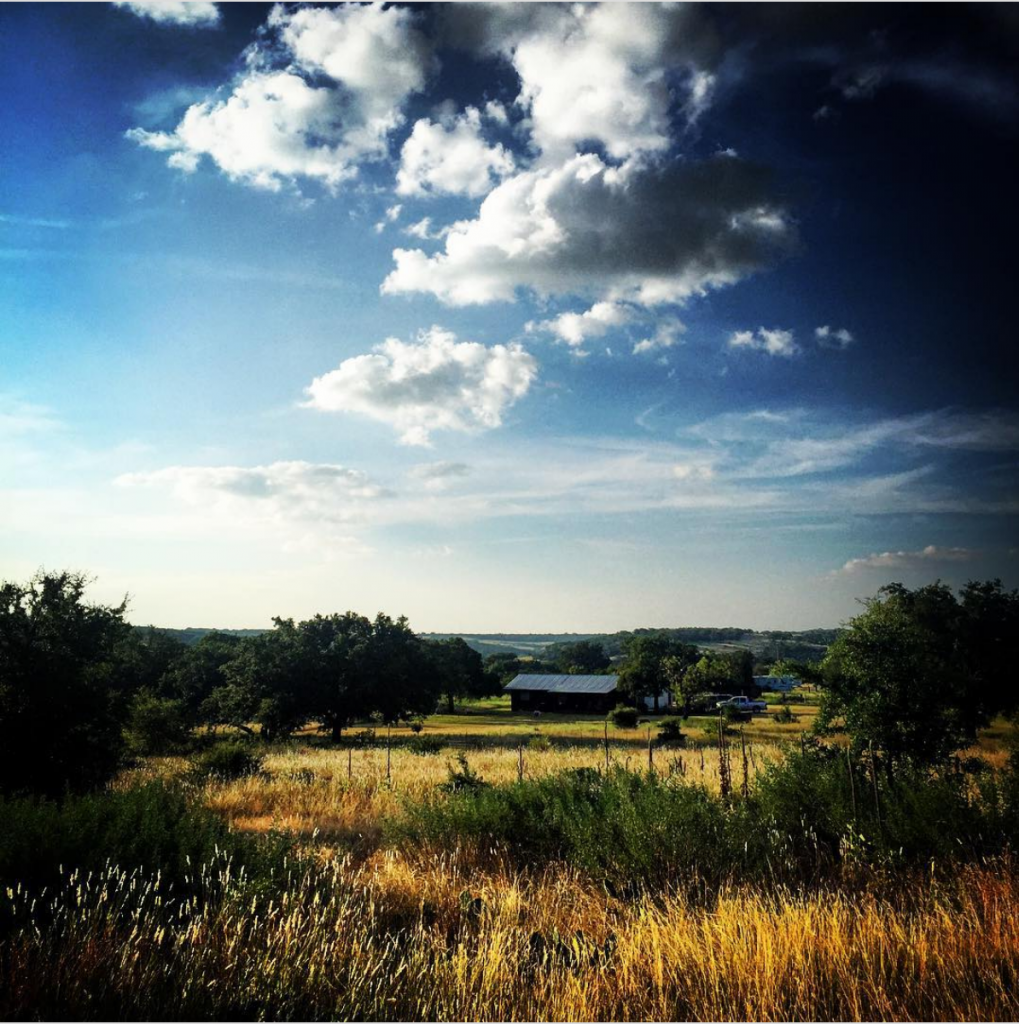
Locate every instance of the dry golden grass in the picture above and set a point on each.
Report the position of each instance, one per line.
(308, 790)
(405, 938)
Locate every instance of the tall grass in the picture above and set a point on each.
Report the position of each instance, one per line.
(571, 894)
(437, 939)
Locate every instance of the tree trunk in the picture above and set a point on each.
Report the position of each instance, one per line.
(449, 703)
(336, 730)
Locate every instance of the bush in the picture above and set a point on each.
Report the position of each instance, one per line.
(623, 717)
(539, 744)
(784, 715)
(154, 827)
(416, 727)
(670, 732)
(364, 738)
(156, 725)
(462, 778)
(426, 744)
(227, 759)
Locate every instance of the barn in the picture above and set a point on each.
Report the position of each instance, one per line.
(594, 695)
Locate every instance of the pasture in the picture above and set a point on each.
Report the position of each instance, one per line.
(361, 921)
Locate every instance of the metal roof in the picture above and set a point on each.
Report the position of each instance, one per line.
(564, 684)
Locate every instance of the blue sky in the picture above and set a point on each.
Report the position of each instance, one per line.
(508, 318)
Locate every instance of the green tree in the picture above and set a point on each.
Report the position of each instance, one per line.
(403, 682)
(459, 670)
(919, 672)
(62, 685)
(193, 677)
(645, 673)
(271, 681)
(502, 668)
(584, 657)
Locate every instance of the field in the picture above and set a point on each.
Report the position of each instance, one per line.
(377, 927)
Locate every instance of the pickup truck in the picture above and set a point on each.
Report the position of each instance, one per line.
(743, 704)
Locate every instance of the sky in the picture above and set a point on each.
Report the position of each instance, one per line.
(518, 317)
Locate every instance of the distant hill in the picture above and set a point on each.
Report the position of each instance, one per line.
(806, 645)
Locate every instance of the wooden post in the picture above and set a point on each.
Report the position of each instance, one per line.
(389, 738)
(520, 763)
(606, 745)
(852, 781)
(650, 752)
(746, 774)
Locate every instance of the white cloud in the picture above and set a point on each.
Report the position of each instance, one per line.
(583, 227)
(599, 73)
(423, 229)
(907, 559)
(830, 337)
(666, 334)
(433, 383)
(438, 476)
(391, 215)
(303, 505)
(575, 328)
(195, 13)
(775, 342)
(346, 72)
(451, 157)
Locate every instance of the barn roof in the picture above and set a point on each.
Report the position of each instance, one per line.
(564, 684)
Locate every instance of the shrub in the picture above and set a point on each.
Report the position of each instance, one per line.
(426, 745)
(784, 715)
(227, 759)
(539, 744)
(153, 827)
(462, 778)
(670, 732)
(623, 717)
(156, 725)
(416, 727)
(364, 738)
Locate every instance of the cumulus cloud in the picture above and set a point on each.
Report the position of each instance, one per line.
(433, 383)
(650, 237)
(451, 157)
(602, 73)
(667, 333)
(829, 337)
(575, 328)
(194, 13)
(775, 342)
(907, 559)
(346, 71)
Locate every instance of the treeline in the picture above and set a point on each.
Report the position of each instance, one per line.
(80, 687)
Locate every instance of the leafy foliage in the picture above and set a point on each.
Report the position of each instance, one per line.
(624, 717)
(920, 671)
(62, 686)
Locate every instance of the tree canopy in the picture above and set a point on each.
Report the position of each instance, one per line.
(920, 671)
(62, 685)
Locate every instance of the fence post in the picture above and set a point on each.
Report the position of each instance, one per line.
(852, 783)
(606, 745)
(520, 763)
(389, 738)
(650, 752)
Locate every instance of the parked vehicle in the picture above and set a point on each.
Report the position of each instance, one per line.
(744, 704)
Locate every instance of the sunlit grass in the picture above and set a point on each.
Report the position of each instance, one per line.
(440, 938)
